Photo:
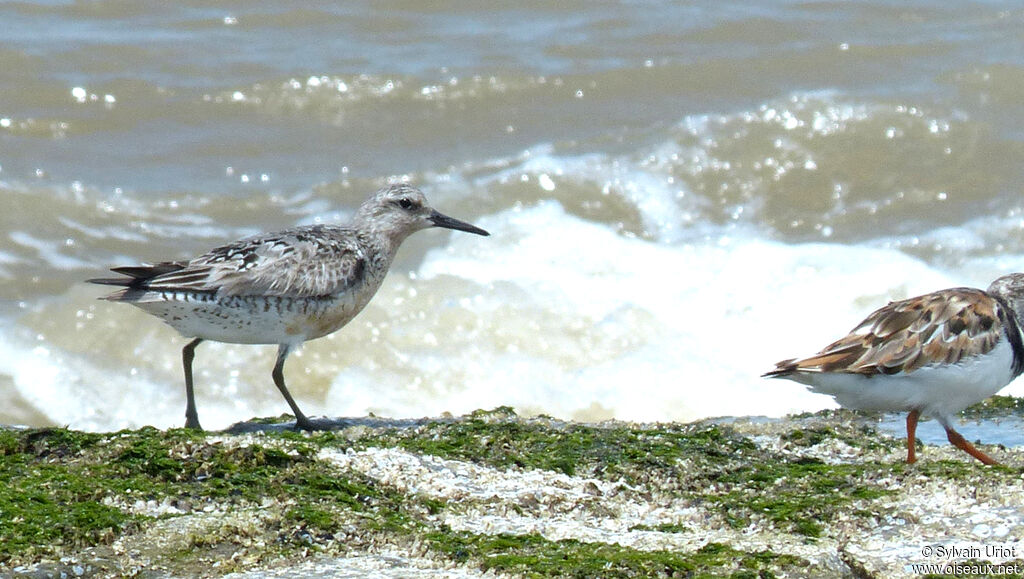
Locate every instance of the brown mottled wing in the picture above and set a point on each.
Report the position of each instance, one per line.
(303, 262)
(941, 327)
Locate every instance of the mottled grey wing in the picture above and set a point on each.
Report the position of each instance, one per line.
(304, 262)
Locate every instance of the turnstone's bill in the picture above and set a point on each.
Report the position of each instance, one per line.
(934, 354)
(280, 288)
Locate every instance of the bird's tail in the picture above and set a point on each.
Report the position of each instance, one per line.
(782, 369)
(136, 278)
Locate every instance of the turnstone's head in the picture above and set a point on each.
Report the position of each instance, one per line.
(1010, 287)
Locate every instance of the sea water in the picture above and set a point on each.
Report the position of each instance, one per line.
(679, 195)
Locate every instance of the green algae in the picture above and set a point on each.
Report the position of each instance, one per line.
(863, 437)
(610, 452)
(686, 460)
(796, 495)
(534, 556)
(663, 528)
(42, 501)
(63, 491)
(57, 486)
(995, 406)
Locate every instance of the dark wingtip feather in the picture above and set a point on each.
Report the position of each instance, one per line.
(118, 281)
(148, 271)
(783, 368)
(137, 275)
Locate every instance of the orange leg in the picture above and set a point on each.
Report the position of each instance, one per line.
(911, 431)
(958, 441)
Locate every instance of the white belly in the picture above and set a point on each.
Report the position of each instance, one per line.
(938, 391)
(265, 320)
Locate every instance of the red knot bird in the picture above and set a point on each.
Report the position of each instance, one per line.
(934, 354)
(280, 288)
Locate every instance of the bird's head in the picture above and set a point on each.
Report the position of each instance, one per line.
(399, 210)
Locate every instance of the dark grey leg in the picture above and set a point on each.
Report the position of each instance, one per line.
(300, 419)
(187, 354)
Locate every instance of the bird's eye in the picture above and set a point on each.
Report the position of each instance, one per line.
(405, 203)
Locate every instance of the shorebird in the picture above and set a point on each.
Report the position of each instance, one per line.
(934, 354)
(280, 288)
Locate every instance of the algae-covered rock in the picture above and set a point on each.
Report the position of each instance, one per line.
(493, 493)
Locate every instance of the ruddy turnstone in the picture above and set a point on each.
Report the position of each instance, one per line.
(280, 288)
(934, 354)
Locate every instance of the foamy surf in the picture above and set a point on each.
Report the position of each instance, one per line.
(652, 281)
(553, 314)
(579, 322)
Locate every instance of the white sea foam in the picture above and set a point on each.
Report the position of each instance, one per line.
(552, 314)
(65, 388)
(660, 332)
(561, 311)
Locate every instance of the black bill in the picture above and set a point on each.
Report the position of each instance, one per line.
(442, 220)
